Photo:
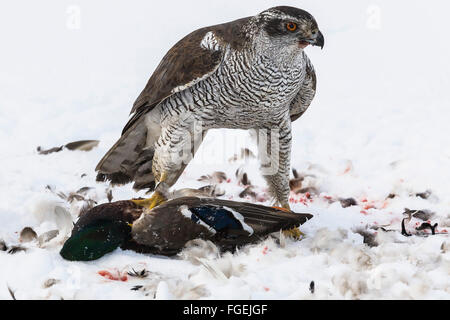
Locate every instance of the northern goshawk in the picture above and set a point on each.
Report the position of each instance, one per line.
(252, 73)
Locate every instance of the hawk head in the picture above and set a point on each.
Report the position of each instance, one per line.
(289, 27)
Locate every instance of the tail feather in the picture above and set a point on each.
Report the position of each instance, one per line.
(129, 160)
(116, 178)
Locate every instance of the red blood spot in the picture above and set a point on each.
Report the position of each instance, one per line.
(265, 249)
(328, 197)
(108, 275)
(308, 195)
(369, 206)
(266, 289)
(228, 180)
(444, 230)
(364, 212)
(124, 278)
(363, 200)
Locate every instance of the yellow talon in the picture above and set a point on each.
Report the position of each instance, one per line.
(294, 233)
(155, 200)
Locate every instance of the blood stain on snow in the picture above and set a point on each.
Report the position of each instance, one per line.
(108, 275)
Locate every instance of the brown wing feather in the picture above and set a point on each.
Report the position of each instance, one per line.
(185, 62)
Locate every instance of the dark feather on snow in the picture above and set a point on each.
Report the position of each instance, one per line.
(3, 246)
(27, 234)
(426, 225)
(15, 249)
(345, 203)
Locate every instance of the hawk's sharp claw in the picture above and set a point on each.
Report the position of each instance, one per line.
(294, 233)
(155, 200)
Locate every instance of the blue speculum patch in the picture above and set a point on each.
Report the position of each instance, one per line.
(215, 217)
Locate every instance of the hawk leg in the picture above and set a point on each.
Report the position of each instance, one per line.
(158, 197)
(175, 148)
(274, 147)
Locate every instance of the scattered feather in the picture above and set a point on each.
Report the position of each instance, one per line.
(82, 145)
(47, 236)
(242, 177)
(295, 184)
(212, 190)
(138, 274)
(207, 191)
(424, 195)
(312, 287)
(369, 237)
(212, 269)
(198, 248)
(15, 249)
(109, 195)
(50, 282)
(248, 192)
(426, 225)
(84, 190)
(215, 178)
(11, 292)
(136, 288)
(63, 220)
(3, 246)
(424, 215)
(345, 203)
(27, 235)
(48, 151)
(444, 247)
(404, 232)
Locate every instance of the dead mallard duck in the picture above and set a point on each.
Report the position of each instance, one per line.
(167, 228)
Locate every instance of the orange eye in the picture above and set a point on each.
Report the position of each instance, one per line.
(291, 26)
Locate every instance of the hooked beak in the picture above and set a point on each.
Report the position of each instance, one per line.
(318, 41)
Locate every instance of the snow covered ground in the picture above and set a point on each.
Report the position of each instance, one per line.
(379, 126)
